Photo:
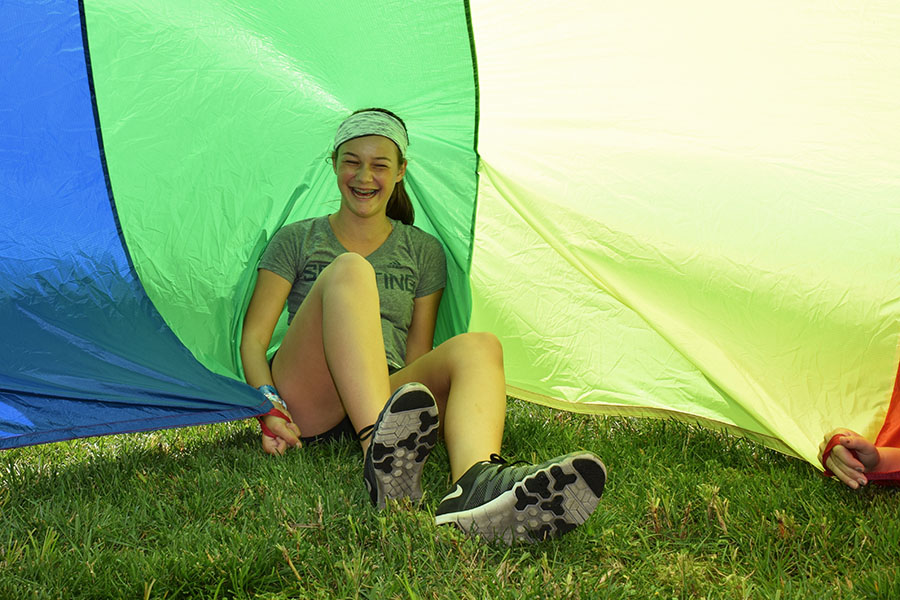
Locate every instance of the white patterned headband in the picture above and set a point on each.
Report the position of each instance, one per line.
(372, 122)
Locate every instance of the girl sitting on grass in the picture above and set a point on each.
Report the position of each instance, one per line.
(856, 461)
(363, 286)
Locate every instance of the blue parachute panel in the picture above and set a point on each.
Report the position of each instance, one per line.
(84, 351)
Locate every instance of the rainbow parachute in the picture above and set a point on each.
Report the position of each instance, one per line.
(661, 208)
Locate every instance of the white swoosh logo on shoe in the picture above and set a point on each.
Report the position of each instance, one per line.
(456, 493)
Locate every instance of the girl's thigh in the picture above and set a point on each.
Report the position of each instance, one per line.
(425, 372)
(469, 361)
(431, 369)
(301, 373)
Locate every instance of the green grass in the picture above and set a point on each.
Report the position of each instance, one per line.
(203, 513)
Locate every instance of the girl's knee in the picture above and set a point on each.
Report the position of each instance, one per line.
(349, 266)
(477, 346)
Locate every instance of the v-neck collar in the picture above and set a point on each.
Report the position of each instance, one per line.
(334, 236)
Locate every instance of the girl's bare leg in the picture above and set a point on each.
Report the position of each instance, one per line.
(332, 362)
(525, 503)
(465, 374)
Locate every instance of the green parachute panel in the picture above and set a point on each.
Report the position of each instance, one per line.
(218, 120)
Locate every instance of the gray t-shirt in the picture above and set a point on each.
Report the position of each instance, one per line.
(408, 265)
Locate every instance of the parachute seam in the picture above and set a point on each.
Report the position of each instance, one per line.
(475, 129)
(82, 15)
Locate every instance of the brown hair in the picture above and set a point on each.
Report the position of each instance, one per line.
(399, 206)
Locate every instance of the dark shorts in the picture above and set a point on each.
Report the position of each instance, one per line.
(342, 431)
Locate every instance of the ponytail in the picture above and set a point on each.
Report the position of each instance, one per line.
(399, 206)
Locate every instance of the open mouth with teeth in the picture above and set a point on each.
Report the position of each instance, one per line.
(364, 194)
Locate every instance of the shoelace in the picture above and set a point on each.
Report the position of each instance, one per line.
(496, 459)
(366, 432)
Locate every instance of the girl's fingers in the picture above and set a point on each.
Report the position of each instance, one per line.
(274, 446)
(845, 472)
(845, 457)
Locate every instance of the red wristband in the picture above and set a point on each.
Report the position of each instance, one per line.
(275, 413)
(834, 441)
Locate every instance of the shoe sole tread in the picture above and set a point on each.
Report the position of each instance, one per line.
(402, 441)
(544, 505)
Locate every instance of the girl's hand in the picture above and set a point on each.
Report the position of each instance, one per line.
(278, 428)
(842, 462)
(287, 435)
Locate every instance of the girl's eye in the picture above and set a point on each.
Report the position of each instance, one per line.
(350, 162)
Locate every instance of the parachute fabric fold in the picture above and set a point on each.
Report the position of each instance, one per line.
(662, 210)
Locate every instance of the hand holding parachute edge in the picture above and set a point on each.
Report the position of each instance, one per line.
(847, 455)
(279, 431)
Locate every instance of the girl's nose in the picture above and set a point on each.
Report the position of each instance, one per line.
(364, 173)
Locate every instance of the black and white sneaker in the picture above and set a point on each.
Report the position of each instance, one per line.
(402, 437)
(527, 503)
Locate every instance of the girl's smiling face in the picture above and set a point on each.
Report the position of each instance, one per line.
(367, 170)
